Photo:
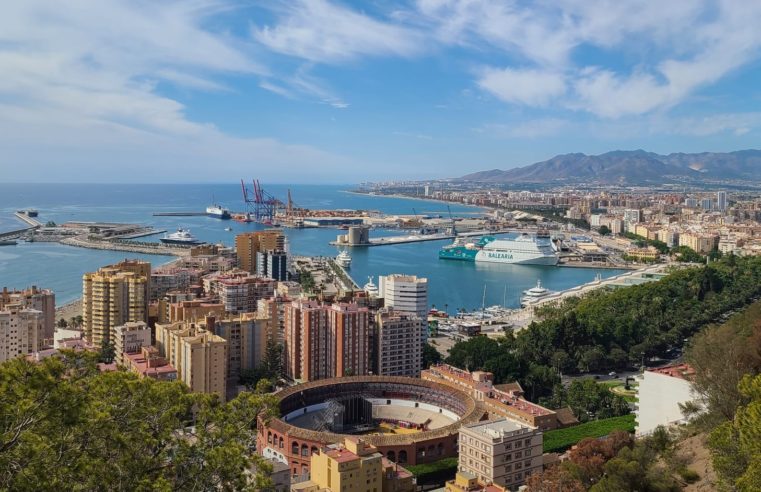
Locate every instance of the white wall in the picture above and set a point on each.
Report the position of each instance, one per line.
(659, 398)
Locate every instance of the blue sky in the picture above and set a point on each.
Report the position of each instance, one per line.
(310, 91)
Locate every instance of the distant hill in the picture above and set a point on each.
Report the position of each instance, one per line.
(632, 167)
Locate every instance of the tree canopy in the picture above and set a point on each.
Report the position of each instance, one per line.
(65, 426)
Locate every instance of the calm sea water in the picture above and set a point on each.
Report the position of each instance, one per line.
(456, 284)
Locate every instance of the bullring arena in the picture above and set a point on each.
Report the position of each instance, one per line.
(409, 420)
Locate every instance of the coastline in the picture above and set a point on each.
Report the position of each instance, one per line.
(69, 310)
(435, 200)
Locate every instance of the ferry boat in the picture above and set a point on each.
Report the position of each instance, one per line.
(182, 236)
(534, 294)
(525, 249)
(344, 259)
(217, 212)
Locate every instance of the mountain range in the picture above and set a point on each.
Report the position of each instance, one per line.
(631, 167)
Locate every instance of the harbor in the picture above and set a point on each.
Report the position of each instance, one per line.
(136, 205)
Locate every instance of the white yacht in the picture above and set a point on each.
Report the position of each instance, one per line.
(370, 288)
(344, 259)
(182, 236)
(534, 294)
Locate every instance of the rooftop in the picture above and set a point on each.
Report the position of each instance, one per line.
(497, 428)
(680, 371)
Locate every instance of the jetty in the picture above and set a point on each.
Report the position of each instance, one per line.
(83, 241)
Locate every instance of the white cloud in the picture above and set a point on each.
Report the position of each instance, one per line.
(320, 31)
(671, 49)
(523, 86)
(80, 96)
(725, 123)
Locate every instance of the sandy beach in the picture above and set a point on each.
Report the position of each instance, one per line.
(69, 310)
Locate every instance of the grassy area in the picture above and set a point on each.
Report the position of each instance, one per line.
(446, 465)
(561, 439)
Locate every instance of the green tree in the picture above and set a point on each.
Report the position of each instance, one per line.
(635, 470)
(107, 352)
(62, 323)
(64, 425)
(430, 356)
(736, 445)
(604, 230)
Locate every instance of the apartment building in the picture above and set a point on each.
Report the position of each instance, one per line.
(324, 341)
(112, 296)
(503, 451)
(467, 482)
(272, 264)
(307, 341)
(405, 293)
(21, 331)
(239, 291)
(250, 243)
(399, 343)
(199, 356)
(130, 338)
(349, 328)
(354, 466)
(246, 337)
(42, 300)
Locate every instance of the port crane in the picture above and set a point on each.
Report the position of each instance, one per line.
(451, 219)
(261, 206)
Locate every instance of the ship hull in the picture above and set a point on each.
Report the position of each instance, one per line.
(515, 258)
(218, 215)
(508, 257)
(175, 241)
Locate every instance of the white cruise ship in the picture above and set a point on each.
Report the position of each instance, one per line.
(344, 259)
(525, 249)
(533, 294)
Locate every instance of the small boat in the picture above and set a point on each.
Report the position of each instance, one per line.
(228, 229)
(8, 242)
(182, 236)
(344, 259)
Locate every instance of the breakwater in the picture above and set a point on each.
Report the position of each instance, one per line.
(131, 246)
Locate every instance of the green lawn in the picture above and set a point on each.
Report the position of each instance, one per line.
(561, 439)
(447, 464)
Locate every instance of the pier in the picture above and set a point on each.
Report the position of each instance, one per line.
(178, 214)
(418, 238)
(132, 247)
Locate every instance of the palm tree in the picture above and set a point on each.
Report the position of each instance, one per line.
(62, 323)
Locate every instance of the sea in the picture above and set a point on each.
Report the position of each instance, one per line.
(453, 285)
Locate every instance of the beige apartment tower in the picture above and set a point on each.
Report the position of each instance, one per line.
(34, 298)
(199, 356)
(250, 243)
(112, 296)
(399, 347)
(504, 452)
(21, 331)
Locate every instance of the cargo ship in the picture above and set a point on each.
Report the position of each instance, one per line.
(525, 250)
(218, 212)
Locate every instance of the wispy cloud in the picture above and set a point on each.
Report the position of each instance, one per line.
(322, 31)
(530, 87)
(81, 92)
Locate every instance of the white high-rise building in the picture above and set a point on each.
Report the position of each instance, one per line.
(721, 201)
(405, 293)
